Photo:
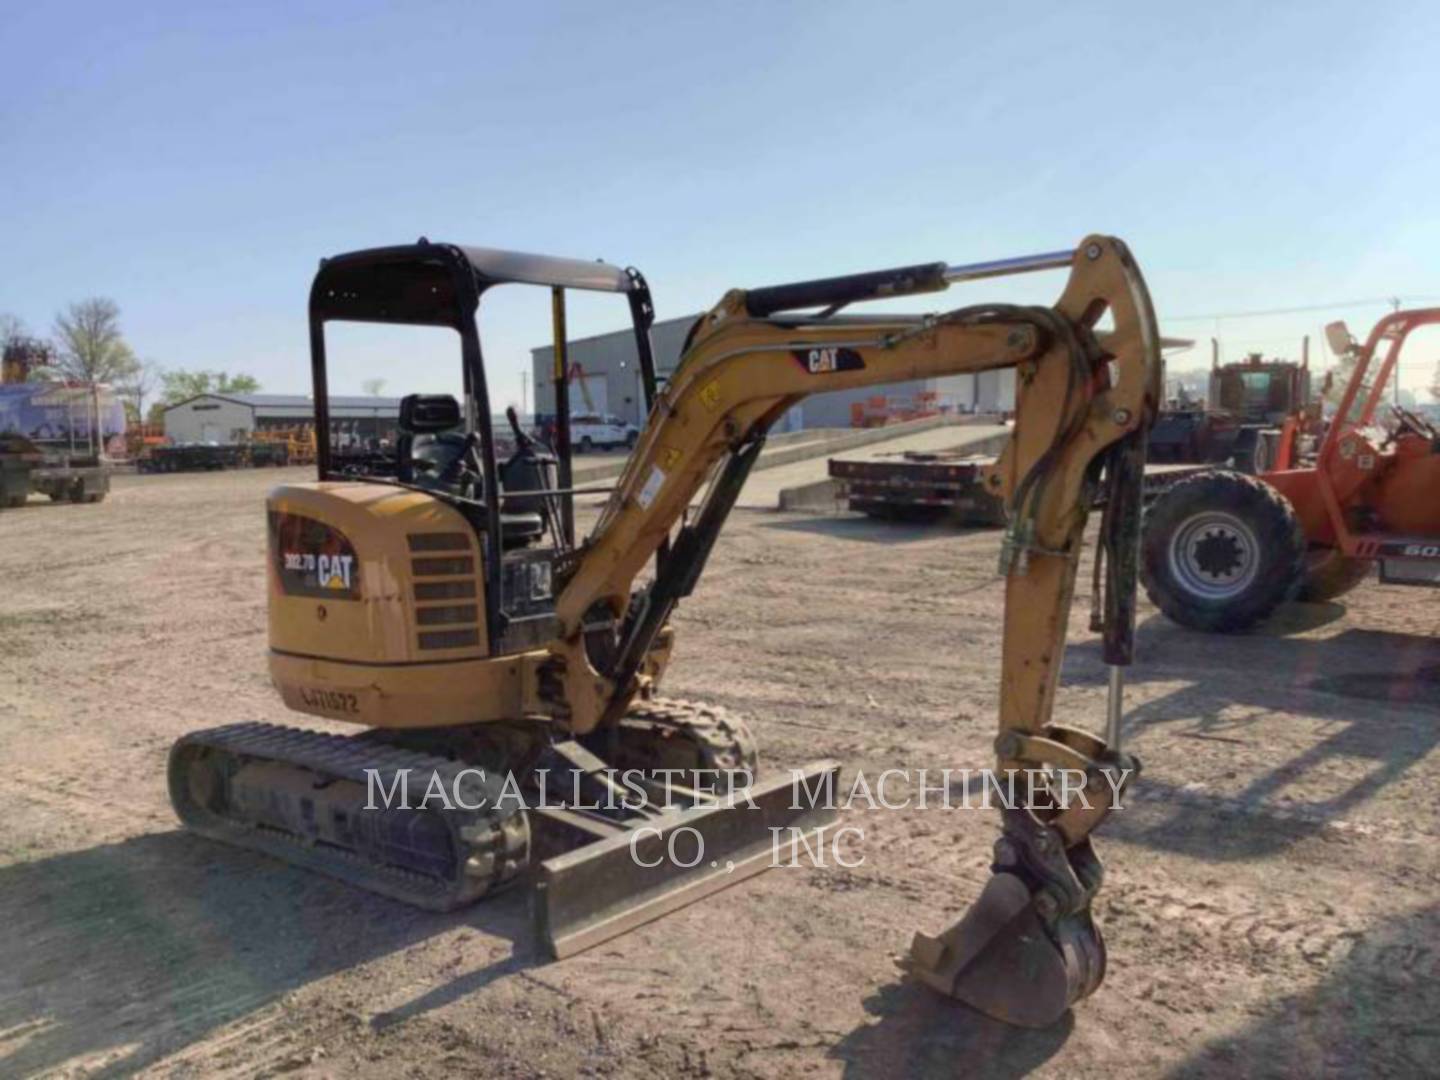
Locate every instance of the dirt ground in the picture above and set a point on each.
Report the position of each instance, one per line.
(1272, 905)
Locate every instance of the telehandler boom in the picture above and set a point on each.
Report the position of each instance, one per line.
(437, 597)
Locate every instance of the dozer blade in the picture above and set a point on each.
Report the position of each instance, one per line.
(611, 886)
(1005, 960)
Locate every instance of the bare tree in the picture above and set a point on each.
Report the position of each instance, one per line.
(373, 387)
(138, 386)
(1435, 382)
(12, 330)
(92, 349)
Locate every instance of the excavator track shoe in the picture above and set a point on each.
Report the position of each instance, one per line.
(664, 733)
(301, 796)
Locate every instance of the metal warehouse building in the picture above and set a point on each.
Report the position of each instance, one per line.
(605, 379)
(234, 418)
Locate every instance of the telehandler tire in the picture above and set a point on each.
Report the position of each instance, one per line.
(1220, 551)
(1329, 574)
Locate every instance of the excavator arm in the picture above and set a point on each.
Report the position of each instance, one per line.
(1079, 394)
(1086, 393)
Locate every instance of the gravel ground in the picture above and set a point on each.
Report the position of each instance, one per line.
(1270, 904)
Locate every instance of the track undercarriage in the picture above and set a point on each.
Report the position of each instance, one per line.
(439, 818)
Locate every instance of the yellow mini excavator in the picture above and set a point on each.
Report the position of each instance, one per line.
(507, 676)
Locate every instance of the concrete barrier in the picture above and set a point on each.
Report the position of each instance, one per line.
(820, 497)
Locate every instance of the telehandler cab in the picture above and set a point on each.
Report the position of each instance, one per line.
(439, 599)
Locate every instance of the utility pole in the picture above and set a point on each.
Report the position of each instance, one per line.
(524, 393)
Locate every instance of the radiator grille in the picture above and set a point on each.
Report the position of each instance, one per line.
(444, 574)
(445, 590)
(439, 542)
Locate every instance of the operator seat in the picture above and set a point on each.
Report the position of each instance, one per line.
(449, 464)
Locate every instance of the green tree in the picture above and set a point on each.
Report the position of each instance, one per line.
(180, 385)
(90, 345)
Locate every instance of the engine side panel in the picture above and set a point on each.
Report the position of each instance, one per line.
(373, 574)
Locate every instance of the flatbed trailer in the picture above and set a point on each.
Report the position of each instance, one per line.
(198, 457)
(195, 457)
(928, 485)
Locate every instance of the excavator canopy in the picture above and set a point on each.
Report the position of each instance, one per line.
(427, 284)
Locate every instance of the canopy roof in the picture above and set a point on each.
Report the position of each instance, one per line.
(437, 284)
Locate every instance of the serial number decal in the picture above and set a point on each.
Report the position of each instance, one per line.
(823, 361)
(335, 701)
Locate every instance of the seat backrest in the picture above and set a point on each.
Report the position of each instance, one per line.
(427, 414)
(527, 470)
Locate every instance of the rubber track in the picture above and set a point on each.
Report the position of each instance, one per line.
(723, 739)
(491, 844)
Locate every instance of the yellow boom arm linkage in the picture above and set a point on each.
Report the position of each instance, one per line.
(1084, 396)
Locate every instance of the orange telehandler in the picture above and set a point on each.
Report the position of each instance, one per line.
(1222, 551)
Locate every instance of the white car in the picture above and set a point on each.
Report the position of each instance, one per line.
(591, 431)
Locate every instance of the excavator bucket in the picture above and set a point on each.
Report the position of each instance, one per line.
(621, 880)
(1005, 960)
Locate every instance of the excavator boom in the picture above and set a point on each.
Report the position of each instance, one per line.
(1084, 401)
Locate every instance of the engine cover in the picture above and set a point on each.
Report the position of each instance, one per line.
(377, 610)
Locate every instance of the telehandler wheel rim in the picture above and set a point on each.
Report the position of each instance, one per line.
(1215, 555)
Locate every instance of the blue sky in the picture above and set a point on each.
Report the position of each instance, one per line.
(193, 161)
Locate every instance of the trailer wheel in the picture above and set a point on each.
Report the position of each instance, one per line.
(1253, 453)
(1221, 551)
(1329, 574)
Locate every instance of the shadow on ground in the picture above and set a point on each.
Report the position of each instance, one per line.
(1372, 1016)
(1366, 696)
(917, 1033)
(870, 530)
(133, 951)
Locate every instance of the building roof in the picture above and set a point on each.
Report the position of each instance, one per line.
(261, 402)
